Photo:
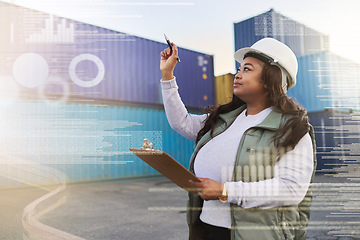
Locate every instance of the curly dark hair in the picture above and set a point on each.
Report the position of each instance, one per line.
(298, 123)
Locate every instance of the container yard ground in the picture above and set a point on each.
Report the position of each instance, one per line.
(138, 209)
(12, 204)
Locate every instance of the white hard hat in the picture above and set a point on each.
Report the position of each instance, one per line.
(275, 53)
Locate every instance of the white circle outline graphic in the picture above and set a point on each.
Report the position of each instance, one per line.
(90, 57)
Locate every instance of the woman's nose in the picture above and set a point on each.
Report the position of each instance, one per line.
(238, 75)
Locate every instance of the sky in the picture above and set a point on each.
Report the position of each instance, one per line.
(207, 25)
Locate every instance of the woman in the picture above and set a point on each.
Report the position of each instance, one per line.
(255, 156)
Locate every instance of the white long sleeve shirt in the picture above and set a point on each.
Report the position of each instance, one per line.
(216, 159)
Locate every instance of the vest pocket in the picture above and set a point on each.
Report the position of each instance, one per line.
(288, 221)
(255, 223)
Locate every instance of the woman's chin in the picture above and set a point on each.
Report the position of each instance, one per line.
(239, 92)
(244, 95)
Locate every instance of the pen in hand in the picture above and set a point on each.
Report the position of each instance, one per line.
(169, 43)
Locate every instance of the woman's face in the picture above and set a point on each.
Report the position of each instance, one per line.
(248, 84)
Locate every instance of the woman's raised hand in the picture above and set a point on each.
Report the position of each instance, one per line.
(168, 62)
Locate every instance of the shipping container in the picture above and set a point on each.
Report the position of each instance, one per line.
(86, 142)
(51, 57)
(300, 38)
(224, 88)
(327, 81)
(337, 137)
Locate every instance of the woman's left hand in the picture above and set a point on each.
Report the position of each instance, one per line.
(208, 189)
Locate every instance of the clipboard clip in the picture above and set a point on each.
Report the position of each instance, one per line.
(147, 145)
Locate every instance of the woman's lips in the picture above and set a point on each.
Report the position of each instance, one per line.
(236, 84)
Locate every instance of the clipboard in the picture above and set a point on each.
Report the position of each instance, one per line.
(167, 166)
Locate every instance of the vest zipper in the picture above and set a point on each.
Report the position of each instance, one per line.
(232, 178)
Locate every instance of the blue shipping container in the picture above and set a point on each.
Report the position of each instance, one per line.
(84, 141)
(50, 57)
(300, 38)
(337, 139)
(327, 81)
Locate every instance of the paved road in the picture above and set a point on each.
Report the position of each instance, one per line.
(146, 209)
(12, 204)
(155, 209)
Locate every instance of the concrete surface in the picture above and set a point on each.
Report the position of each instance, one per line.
(146, 209)
(155, 209)
(12, 203)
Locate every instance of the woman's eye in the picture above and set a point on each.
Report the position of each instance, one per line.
(245, 69)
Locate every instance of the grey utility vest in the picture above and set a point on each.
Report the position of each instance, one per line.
(285, 222)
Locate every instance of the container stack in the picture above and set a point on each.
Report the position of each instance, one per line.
(328, 85)
(301, 39)
(76, 96)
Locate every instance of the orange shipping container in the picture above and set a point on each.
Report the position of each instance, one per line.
(224, 88)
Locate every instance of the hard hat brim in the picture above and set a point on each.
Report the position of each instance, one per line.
(239, 54)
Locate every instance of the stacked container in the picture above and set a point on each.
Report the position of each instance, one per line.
(327, 81)
(90, 62)
(300, 38)
(78, 95)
